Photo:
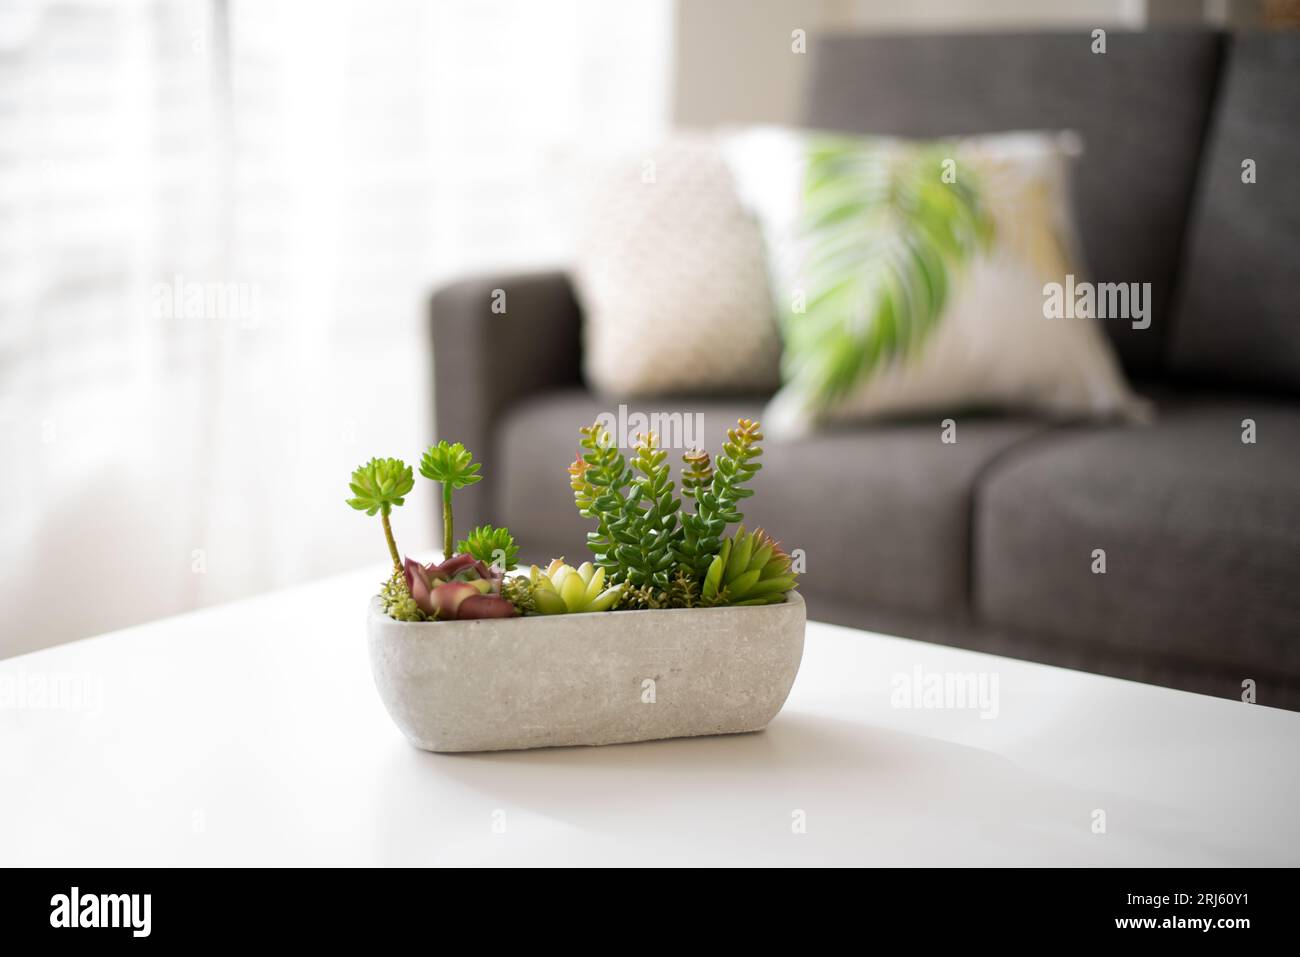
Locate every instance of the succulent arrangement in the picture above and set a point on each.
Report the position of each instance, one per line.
(649, 549)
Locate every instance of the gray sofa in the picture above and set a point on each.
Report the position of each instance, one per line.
(988, 543)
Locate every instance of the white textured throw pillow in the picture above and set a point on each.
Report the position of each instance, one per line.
(671, 274)
(992, 346)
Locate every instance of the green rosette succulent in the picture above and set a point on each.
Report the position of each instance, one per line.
(751, 569)
(379, 486)
(492, 546)
(564, 590)
(452, 466)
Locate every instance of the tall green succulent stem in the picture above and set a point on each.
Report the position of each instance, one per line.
(452, 467)
(378, 487)
(392, 545)
(718, 491)
(448, 535)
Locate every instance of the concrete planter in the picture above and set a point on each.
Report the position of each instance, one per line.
(601, 678)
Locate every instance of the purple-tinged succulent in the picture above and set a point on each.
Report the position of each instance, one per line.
(458, 589)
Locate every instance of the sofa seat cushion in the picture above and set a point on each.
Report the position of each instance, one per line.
(1201, 535)
(882, 513)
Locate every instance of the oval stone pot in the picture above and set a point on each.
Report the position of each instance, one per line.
(598, 678)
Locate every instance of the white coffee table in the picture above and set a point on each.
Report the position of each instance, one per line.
(251, 734)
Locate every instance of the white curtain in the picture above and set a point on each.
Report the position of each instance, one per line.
(219, 225)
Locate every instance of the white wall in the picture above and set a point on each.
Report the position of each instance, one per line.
(734, 62)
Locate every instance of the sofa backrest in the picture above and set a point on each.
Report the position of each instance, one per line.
(1238, 307)
(1141, 107)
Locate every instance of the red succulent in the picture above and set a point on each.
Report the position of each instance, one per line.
(458, 589)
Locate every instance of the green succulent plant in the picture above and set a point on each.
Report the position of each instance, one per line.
(492, 546)
(518, 590)
(717, 493)
(600, 477)
(887, 233)
(750, 569)
(638, 536)
(644, 538)
(564, 590)
(682, 592)
(650, 551)
(379, 486)
(453, 467)
(397, 600)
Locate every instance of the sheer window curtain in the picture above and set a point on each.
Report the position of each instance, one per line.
(219, 224)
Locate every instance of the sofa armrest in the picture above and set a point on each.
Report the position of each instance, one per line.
(485, 361)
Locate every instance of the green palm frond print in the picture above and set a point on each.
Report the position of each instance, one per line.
(885, 238)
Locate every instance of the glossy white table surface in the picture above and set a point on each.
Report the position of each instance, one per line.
(250, 733)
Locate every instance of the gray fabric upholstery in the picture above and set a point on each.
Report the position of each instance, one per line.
(882, 514)
(1237, 318)
(1141, 107)
(1201, 534)
(484, 361)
